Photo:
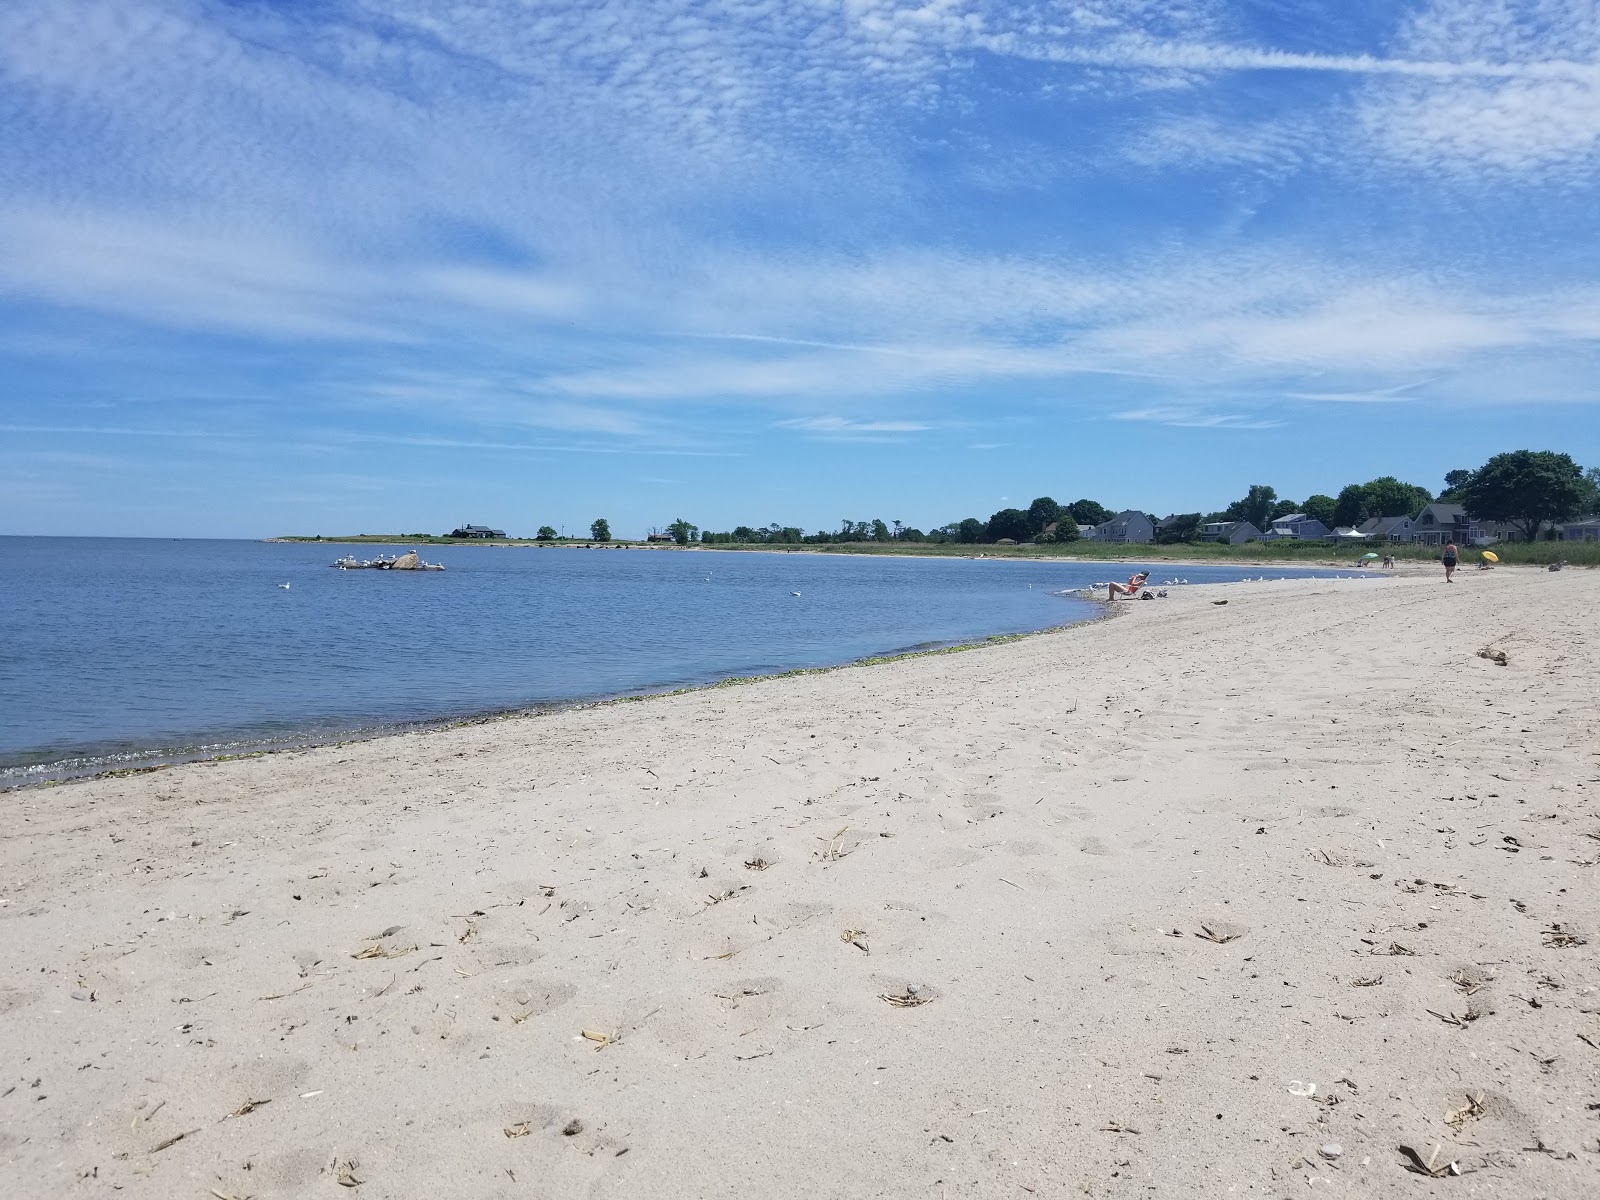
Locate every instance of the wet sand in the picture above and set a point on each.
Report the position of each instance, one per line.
(1204, 900)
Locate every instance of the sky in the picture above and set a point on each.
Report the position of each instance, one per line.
(343, 266)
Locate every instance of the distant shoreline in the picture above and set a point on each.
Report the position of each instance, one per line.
(1307, 557)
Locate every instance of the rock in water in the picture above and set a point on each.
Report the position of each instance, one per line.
(407, 562)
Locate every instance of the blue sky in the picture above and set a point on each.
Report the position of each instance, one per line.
(389, 265)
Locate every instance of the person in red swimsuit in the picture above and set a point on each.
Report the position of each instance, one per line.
(1131, 588)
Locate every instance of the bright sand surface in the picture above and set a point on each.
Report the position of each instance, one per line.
(1153, 877)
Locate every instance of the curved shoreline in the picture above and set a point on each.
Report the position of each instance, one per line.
(52, 775)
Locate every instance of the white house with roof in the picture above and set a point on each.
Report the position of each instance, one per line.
(1297, 526)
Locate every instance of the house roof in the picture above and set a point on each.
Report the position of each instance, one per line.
(1444, 514)
(1382, 524)
(1292, 517)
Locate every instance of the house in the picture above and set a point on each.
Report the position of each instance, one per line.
(1585, 530)
(653, 536)
(1386, 529)
(1297, 526)
(1234, 533)
(1127, 526)
(477, 531)
(1440, 523)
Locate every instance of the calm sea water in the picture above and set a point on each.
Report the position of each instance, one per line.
(119, 651)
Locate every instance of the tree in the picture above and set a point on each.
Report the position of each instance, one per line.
(1180, 527)
(1351, 506)
(1321, 508)
(880, 531)
(1591, 500)
(1066, 528)
(682, 532)
(1087, 512)
(1009, 523)
(968, 530)
(1526, 488)
(1454, 481)
(1042, 512)
(600, 529)
(1386, 496)
(546, 533)
(1282, 508)
(1255, 507)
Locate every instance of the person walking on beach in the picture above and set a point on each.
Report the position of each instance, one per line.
(1450, 562)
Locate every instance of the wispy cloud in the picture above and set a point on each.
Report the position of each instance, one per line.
(845, 427)
(1194, 418)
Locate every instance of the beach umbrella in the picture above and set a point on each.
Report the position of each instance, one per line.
(1369, 555)
(1491, 556)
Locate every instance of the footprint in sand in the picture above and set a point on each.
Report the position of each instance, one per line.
(1093, 845)
(534, 997)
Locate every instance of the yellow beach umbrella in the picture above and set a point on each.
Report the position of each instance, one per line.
(1490, 556)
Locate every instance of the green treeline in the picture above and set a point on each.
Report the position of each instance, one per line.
(1528, 488)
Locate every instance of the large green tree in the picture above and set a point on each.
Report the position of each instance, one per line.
(600, 529)
(682, 531)
(1526, 488)
(1009, 523)
(1454, 481)
(968, 529)
(1042, 512)
(547, 533)
(1088, 512)
(1386, 496)
(1181, 527)
(1320, 508)
(1255, 506)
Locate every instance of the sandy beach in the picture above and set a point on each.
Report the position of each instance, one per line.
(1203, 900)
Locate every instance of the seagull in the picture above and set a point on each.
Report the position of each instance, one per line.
(794, 593)
(285, 586)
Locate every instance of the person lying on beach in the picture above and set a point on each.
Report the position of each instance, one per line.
(1131, 588)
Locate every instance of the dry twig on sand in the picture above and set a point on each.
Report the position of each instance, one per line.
(757, 864)
(1560, 937)
(249, 1106)
(1461, 1021)
(172, 1141)
(1212, 935)
(1430, 1166)
(906, 999)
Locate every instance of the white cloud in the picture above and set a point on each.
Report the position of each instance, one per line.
(1185, 417)
(844, 426)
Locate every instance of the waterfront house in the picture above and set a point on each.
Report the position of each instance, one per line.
(1127, 526)
(477, 531)
(1297, 526)
(1386, 529)
(1233, 533)
(1585, 530)
(1439, 523)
